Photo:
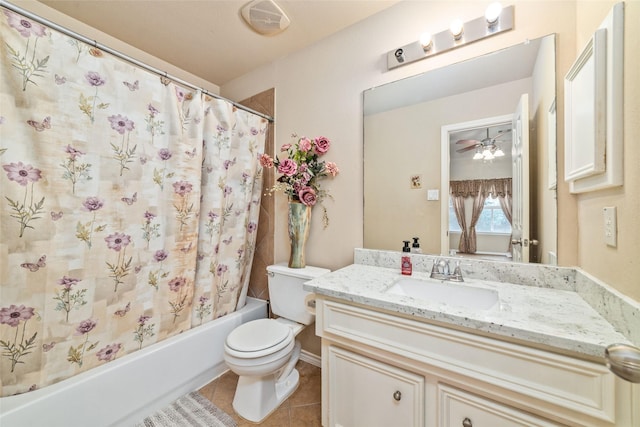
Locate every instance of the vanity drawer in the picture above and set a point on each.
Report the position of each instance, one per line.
(548, 383)
(458, 408)
(366, 392)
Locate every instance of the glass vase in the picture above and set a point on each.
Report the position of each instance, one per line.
(299, 224)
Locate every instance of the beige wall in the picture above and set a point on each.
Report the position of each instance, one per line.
(618, 266)
(320, 91)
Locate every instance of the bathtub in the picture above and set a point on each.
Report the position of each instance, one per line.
(123, 392)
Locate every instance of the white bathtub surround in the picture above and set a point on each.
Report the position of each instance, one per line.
(128, 389)
(553, 310)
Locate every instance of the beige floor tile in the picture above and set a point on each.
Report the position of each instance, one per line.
(208, 390)
(308, 391)
(306, 416)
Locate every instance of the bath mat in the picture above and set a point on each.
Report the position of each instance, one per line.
(192, 409)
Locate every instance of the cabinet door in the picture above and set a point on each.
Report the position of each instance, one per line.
(366, 393)
(461, 409)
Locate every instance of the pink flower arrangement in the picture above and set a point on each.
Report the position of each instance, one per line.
(302, 169)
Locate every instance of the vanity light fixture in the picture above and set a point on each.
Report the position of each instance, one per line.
(456, 28)
(492, 14)
(426, 41)
(496, 20)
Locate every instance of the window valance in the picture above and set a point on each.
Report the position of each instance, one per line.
(495, 187)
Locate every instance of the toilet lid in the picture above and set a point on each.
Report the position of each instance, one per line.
(259, 335)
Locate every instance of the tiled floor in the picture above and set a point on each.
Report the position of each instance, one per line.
(301, 409)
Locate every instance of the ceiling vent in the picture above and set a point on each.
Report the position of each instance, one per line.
(265, 17)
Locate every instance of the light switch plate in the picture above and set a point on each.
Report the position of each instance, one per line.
(610, 226)
(433, 194)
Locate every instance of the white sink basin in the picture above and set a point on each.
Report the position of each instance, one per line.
(449, 293)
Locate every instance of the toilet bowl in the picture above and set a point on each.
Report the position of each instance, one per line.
(264, 352)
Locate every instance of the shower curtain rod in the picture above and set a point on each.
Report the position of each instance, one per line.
(123, 56)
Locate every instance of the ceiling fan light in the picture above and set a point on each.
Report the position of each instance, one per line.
(488, 157)
(498, 153)
(478, 156)
(487, 153)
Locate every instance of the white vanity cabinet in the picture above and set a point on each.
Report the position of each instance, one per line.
(391, 397)
(452, 378)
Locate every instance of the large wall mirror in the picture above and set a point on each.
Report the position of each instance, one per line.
(483, 126)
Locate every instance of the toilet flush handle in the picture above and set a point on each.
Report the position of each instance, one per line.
(310, 303)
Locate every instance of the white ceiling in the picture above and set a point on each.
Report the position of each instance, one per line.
(209, 38)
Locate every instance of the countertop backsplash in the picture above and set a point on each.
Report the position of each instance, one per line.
(542, 276)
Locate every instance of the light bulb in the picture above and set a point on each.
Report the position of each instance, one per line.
(456, 28)
(498, 153)
(487, 153)
(477, 156)
(492, 14)
(426, 41)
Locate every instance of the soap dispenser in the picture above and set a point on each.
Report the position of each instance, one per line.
(415, 247)
(405, 265)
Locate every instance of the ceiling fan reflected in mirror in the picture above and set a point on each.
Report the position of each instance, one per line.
(485, 149)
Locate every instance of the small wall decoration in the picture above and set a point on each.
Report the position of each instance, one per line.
(416, 182)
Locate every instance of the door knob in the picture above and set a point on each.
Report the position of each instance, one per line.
(467, 423)
(534, 242)
(516, 241)
(397, 395)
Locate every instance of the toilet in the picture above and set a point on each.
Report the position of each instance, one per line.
(264, 352)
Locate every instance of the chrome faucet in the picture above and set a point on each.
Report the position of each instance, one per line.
(441, 270)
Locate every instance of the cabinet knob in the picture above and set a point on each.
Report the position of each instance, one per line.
(467, 423)
(397, 395)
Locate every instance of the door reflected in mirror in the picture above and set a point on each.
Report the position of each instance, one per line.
(412, 127)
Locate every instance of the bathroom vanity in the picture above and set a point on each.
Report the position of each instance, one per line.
(532, 357)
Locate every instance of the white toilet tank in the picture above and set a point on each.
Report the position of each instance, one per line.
(286, 294)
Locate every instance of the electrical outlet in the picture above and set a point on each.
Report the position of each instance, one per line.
(610, 226)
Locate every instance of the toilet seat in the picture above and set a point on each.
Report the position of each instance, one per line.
(258, 338)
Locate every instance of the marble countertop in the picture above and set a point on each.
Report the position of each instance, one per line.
(557, 319)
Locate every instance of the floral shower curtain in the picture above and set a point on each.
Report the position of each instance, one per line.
(128, 206)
